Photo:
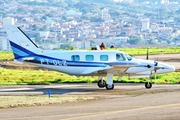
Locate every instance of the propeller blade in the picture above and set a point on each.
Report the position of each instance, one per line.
(147, 57)
(155, 77)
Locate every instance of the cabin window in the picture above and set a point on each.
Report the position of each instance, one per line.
(75, 58)
(104, 57)
(89, 57)
(120, 57)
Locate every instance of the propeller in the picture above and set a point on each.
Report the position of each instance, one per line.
(156, 67)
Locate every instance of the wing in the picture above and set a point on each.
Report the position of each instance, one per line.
(92, 70)
(118, 66)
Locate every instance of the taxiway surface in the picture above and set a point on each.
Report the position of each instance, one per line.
(126, 102)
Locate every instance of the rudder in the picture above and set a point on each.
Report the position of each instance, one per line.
(21, 44)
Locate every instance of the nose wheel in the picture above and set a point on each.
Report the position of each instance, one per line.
(148, 85)
(109, 86)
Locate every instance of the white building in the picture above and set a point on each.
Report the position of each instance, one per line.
(8, 21)
(44, 34)
(72, 12)
(105, 14)
(145, 24)
(120, 39)
(4, 44)
(81, 44)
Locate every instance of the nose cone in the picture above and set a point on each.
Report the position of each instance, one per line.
(171, 68)
(166, 68)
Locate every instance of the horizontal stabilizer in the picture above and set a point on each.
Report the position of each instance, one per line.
(26, 58)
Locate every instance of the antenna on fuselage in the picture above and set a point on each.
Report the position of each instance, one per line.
(147, 57)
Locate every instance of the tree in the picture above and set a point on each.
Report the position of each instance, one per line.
(126, 25)
(85, 11)
(35, 27)
(44, 28)
(162, 13)
(64, 17)
(36, 11)
(176, 39)
(151, 41)
(150, 14)
(175, 31)
(85, 17)
(135, 40)
(66, 46)
(44, 18)
(21, 10)
(123, 33)
(96, 19)
(114, 13)
(49, 15)
(169, 41)
(3, 13)
(118, 27)
(178, 12)
(37, 38)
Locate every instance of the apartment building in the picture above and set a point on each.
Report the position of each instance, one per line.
(81, 44)
(4, 44)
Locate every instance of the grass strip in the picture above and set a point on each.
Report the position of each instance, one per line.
(20, 101)
(40, 77)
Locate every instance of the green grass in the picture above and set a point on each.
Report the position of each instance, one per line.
(6, 56)
(152, 50)
(132, 51)
(40, 77)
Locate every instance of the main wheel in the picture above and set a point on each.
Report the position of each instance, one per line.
(148, 85)
(101, 84)
(109, 86)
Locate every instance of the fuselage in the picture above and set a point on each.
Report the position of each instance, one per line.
(93, 61)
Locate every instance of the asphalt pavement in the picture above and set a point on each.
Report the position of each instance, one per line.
(161, 102)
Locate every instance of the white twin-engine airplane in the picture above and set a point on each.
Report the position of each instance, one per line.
(84, 63)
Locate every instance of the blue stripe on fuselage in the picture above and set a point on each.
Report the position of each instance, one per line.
(20, 48)
(18, 52)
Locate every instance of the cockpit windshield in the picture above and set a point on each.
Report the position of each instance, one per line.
(128, 57)
(120, 57)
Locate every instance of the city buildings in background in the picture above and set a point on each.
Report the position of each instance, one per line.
(121, 24)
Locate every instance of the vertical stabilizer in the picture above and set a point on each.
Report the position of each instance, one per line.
(21, 44)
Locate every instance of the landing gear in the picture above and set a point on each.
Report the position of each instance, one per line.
(109, 86)
(101, 83)
(148, 85)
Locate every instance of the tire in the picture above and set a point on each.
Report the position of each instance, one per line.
(148, 86)
(100, 85)
(109, 87)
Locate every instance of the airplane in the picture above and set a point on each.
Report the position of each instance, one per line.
(99, 63)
